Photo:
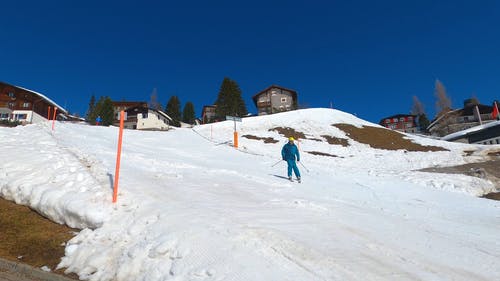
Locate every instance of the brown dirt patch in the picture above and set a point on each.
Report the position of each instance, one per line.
(266, 140)
(289, 132)
(336, 141)
(485, 170)
(322, 154)
(26, 234)
(494, 153)
(383, 138)
(493, 196)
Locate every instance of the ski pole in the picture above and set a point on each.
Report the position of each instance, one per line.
(276, 163)
(303, 166)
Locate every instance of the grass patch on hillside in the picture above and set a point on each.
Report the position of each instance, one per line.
(29, 238)
(322, 154)
(289, 132)
(336, 141)
(266, 140)
(383, 138)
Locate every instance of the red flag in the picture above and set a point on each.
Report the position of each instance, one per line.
(494, 114)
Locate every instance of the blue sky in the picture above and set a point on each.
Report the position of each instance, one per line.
(368, 58)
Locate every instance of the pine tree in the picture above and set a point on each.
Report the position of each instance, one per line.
(229, 100)
(173, 109)
(90, 116)
(104, 109)
(188, 115)
(423, 122)
(107, 113)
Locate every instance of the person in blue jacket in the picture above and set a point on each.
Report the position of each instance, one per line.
(288, 153)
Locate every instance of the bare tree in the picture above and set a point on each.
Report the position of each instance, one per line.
(153, 102)
(443, 103)
(418, 107)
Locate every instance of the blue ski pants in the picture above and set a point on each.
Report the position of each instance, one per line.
(292, 165)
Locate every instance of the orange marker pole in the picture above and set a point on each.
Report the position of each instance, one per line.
(235, 139)
(48, 113)
(54, 119)
(118, 156)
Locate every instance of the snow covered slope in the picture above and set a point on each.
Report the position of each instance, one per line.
(191, 207)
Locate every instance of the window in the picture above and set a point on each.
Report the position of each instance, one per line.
(144, 115)
(11, 94)
(6, 116)
(20, 116)
(26, 105)
(283, 100)
(11, 105)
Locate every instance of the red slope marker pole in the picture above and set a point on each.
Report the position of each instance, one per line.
(54, 119)
(118, 156)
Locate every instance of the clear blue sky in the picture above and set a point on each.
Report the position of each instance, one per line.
(368, 58)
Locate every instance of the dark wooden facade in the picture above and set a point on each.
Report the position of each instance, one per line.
(471, 115)
(25, 106)
(208, 114)
(275, 99)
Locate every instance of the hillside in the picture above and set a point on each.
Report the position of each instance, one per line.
(191, 207)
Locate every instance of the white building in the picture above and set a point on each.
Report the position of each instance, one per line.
(142, 118)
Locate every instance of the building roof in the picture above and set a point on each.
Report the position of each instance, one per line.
(60, 108)
(294, 93)
(466, 111)
(469, 131)
(141, 109)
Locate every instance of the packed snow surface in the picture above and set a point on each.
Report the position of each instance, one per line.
(192, 207)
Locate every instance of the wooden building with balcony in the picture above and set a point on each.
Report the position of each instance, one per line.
(401, 122)
(25, 106)
(275, 99)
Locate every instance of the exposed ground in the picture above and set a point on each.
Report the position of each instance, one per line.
(27, 237)
(486, 170)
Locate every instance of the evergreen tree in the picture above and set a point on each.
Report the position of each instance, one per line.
(104, 109)
(423, 122)
(173, 109)
(229, 100)
(188, 115)
(90, 111)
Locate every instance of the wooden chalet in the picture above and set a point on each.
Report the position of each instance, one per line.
(144, 118)
(208, 114)
(124, 105)
(401, 122)
(275, 99)
(471, 115)
(18, 104)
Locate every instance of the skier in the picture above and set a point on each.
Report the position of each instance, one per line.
(98, 120)
(288, 153)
